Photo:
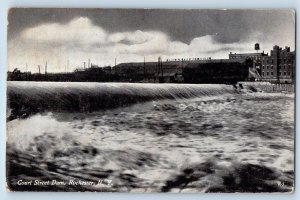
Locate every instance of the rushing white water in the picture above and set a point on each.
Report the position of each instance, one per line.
(25, 98)
(210, 142)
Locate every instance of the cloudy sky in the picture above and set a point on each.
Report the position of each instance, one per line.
(36, 36)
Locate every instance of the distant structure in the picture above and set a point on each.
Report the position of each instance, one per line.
(278, 67)
(243, 56)
(173, 70)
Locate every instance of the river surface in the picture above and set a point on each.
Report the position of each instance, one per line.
(221, 143)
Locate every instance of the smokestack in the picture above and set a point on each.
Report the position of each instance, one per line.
(89, 65)
(46, 68)
(39, 69)
(83, 65)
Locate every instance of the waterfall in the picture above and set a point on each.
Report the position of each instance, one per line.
(25, 98)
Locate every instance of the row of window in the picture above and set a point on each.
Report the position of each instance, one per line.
(272, 61)
(289, 66)
(244, 57)
(267, 61)
(267, 74)
(263, 67)
(284, 66)
(271, 73)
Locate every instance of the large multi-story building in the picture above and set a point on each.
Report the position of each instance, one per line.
(277, 67)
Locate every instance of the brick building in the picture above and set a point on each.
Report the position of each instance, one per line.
(277, 67)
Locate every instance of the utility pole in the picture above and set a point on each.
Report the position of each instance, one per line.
(278, 65)
(144, 67)
(181, 65)
(26, 68)
(115, 65)
(162, 70)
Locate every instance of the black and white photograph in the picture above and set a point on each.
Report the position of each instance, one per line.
(150, 100)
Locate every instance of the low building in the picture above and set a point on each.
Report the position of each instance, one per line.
(243, 56)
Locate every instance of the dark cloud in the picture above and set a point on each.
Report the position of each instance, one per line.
(55, 35)
(182, 25)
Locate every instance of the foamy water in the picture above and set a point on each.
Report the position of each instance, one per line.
(204, 144)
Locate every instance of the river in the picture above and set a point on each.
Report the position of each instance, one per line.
(196, 141)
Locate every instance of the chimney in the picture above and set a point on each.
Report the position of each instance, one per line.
(46, 68)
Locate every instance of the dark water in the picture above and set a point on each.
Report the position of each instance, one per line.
(212, 143)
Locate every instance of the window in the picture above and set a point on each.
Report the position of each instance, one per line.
(272, 73)
(267, 73)
(263, 73)
(267, 66)
(272, 67)
(279, 73)
(263, 67)
(284, 73)
(289, 66)
(289, 73)
(272, 61)
(283, 66)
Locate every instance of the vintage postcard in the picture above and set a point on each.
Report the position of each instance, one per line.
(151, 100)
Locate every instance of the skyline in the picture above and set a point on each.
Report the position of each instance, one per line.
(36, 36)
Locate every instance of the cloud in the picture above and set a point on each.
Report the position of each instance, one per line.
(137, 37)
(140, 42)
(78, 31)
(80, 40)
